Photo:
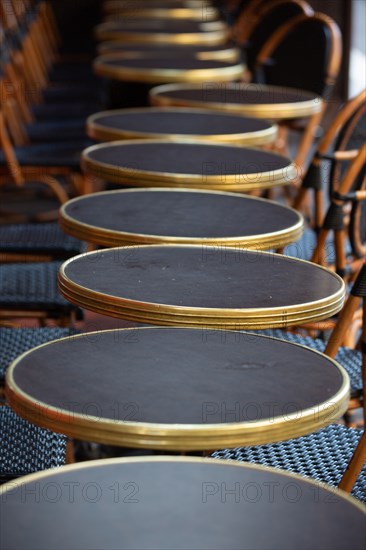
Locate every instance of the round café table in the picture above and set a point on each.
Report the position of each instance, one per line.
(151, 10)
(254, 100)
(172, 503)
(179, 123)
(164, 31)
(157, 70)
(112, 6)
(188, 164)
(192, 285)
(177, 388)
(158, 216)
(225, 53)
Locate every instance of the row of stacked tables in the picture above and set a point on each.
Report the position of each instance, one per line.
(193, 263)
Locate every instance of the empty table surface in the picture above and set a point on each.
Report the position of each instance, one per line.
(259, 100)
(153, 216)
(179, 123)
(112, 5)
(145, 11)
(164, 31)
(201, 285)
(172, 503)
(224, 52)
(203, 11)
(196, 164)
(157, 70)
(177, 389)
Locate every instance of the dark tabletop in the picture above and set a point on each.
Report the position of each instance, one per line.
(178, 214)
(143, 4)
(178, 376)
(173, 50)
(184, 63)
(188, 158)
(239, 93)
(180, 121)
(200, 276)
(181, 213)
(147, 26)
(172, 504)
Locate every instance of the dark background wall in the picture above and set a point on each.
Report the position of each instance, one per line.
(76, 20)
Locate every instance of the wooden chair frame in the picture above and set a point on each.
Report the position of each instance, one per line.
(20, 175)
(342, 117)
(334, 220)
(245, 19)
(331, 73)
(358, 294)
(249, 24)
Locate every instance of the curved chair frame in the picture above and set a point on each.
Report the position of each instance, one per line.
(313, 176)
(290, 454)
(334, 220)
(263, 9)
(331, 70)
(19, 174)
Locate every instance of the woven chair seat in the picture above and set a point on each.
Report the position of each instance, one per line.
(74, 73)
(25, 448)
(30, 202)
(63, 111)
(350, 359)
(323, 455)
(58, 130)
(45, 238)
(14, 342)
(74, 91)
(33, 287)
(50, 154)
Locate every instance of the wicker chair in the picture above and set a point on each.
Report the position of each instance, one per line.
(255, 31)
(30, 290)
(340, 239)
(340, 144)
(25, 448)
(301, 456)
(37, 242)
(325, 454)
(351, 191)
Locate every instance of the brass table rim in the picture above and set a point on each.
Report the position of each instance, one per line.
(170, 309)
(221, 53)
(274, 111)
(189, 13)
(48, 474)
(209, 37)
(156, 76)
(96, 129)
(236, 323)
(187, 435)
(271, 178)
(202, 26)
(74, 226)
(245, 318)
